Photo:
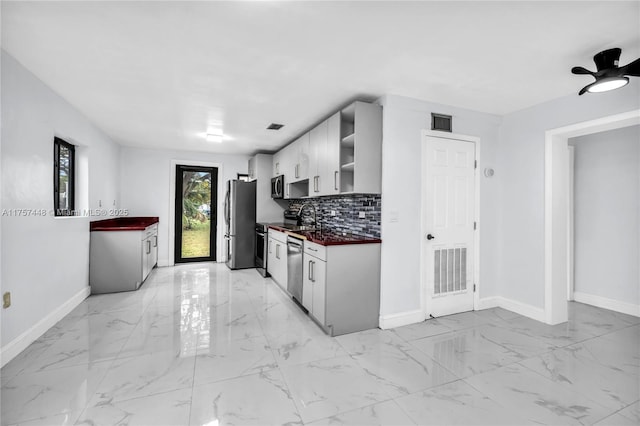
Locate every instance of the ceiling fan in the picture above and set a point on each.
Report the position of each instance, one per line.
(609, 75)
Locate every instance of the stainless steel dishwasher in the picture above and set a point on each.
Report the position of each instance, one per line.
(294, 268)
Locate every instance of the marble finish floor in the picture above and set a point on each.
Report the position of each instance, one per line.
(202, 345)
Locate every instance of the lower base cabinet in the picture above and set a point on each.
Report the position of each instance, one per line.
(314, 281)
(277, 257)
(341, 286)
(121, 260)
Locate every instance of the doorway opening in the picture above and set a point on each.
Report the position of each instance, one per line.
(449, 223)
(195, 213)
(557, 250)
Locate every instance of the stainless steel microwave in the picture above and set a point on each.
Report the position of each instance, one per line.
(277, 187)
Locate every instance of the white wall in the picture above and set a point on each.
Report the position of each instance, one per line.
(45, 260)
(607, 214)
(403, 120)
(146, 182)
(520, 165)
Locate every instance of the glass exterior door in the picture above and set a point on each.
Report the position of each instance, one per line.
(196, 192)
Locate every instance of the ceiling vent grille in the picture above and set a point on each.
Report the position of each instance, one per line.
(441, 122)
(275, 126)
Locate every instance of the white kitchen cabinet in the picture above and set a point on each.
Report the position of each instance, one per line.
(149, 250)
(277, 257)
(297, 159)
(341, 155)
(317, 158)
(361, 149)
(314, 284)
(324, 157)
(330, 170)
(341, 286)
(120, 260)
(277, 163)
(252, 169)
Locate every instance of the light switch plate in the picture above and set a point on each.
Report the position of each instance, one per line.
(333, 212)
(361, 215)
(393, 216)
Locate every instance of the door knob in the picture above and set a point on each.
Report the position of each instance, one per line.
(430, 237)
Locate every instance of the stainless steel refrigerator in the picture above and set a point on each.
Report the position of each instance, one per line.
(240, 221)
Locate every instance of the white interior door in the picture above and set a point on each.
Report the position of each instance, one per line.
(448, 222)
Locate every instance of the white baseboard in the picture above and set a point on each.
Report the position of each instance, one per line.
(605, 303)
(20, 343)
(400, 319)
(488, 303)
(412, 317)
(521, 308)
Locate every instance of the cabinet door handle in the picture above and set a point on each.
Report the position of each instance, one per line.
(297, 168)
(312, 249)
(148, 247)
(155, 241)
(277, 169)
(313, 271)
(316, 183)
(288, 190)
(335, 180)
(278, 251)
(309, 275)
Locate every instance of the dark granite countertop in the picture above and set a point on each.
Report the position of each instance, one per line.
(326, 238)
(124, 223)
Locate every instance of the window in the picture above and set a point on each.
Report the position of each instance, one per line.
(63, 178)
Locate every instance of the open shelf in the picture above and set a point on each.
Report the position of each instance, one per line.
(347, 166)
(348, 141)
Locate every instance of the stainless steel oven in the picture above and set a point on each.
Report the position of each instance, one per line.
(261, 248)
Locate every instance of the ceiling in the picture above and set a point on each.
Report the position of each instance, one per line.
(162, 74)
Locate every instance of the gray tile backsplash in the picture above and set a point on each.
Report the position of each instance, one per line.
(347, 209)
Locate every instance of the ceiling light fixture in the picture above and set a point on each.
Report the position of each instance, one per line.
(609, 75)
(215, 136)
(275, 126)
(607, 84)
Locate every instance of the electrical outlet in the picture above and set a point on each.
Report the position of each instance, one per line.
(6, 300)
(333, 212)
(361, 215)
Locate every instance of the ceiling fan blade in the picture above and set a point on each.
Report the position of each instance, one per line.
(632, 69)
(584, 89)
(581, 70)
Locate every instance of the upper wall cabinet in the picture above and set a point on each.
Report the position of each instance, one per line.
(341, 155)
(299, 159)
(324, 159)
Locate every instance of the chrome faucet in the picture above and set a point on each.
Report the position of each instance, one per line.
(315, 217)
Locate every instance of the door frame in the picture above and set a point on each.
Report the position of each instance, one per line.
(172, 202)
(556, 207)
(213, 213)
(571, 225)
(425, 134)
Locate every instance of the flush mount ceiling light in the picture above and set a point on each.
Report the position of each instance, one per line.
(608, 76)
(214, 136)
(275, 126)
